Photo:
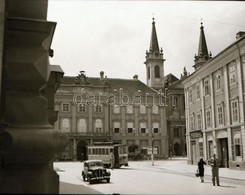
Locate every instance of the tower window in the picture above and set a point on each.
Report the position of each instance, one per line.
(157, 71)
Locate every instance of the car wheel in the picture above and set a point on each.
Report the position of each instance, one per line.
(108, 180)
(89, 180)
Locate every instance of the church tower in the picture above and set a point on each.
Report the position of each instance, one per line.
(154, 62)
(202, 57)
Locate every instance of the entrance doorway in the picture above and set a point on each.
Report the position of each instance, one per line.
(177, 149)
(82, 150)
(223, 151)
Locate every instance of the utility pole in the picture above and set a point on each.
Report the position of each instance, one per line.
(152, 155)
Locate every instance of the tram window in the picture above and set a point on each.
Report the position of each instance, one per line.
(99, 150)
(111, 150)
(107, 151)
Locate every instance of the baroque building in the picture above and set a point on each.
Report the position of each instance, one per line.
(110, 109)
(214, 101)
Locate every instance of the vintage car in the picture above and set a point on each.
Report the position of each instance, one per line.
(94, 170)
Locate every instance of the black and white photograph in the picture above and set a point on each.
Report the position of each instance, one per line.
(122, 97)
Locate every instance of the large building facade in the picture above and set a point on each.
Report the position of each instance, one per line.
(214, 99)
(109, 109)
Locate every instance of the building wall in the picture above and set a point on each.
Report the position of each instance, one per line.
(176, 122)
(219, 109)
(114, 123)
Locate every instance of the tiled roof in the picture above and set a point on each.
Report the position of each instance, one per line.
(128, 85)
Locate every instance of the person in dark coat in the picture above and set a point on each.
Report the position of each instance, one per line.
(215, 163)
(201, 164)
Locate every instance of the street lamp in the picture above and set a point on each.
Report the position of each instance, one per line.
(152, 155)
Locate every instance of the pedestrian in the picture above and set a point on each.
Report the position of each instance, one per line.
(215, 163)
(201, 164)
(112, 160)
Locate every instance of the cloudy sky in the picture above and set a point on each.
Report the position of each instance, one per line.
(113, 36)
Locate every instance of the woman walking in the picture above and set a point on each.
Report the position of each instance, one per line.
(201, 164)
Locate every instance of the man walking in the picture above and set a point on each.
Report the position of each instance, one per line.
(215, 163)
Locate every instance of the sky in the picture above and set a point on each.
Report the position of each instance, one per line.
(113, 36)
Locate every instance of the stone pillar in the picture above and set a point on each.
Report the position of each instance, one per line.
(229, 136)
(29, 142)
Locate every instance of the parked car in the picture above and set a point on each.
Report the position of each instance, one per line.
(94, 170)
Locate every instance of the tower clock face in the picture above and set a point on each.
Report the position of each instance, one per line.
(156, 53)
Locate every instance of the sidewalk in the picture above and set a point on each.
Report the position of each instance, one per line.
(180, 165)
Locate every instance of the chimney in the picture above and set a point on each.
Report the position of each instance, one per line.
(240, 34)
(101, 74)
(135, 77)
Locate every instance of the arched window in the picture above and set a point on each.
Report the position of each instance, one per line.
(157, 71)
(98, 126)
(65, 126)
(82, 126)
(148, 73)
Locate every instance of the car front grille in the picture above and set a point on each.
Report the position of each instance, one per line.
(98, 173)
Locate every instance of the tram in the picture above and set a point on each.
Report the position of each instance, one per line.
(108, 152)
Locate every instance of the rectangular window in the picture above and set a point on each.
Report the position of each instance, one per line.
(206, 87)
(234, 108)
(155, 109)
(237, 146)
(155, 130)
(142, 109)
(232, 73)
(129, 109)
(143, 130)
(116, 127)
(218, 82)
(198, 92)
(220, 114)
(82, 108)
(208, 119)
(130, 130)
(98, 108)
(155, 127)
(65, 107)
(176, 132)
(116, 130)
(199, 122)
(130, 127)
(116, 109)
(98, 130)
(192, 122)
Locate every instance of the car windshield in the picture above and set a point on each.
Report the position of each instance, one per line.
(96, 164)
